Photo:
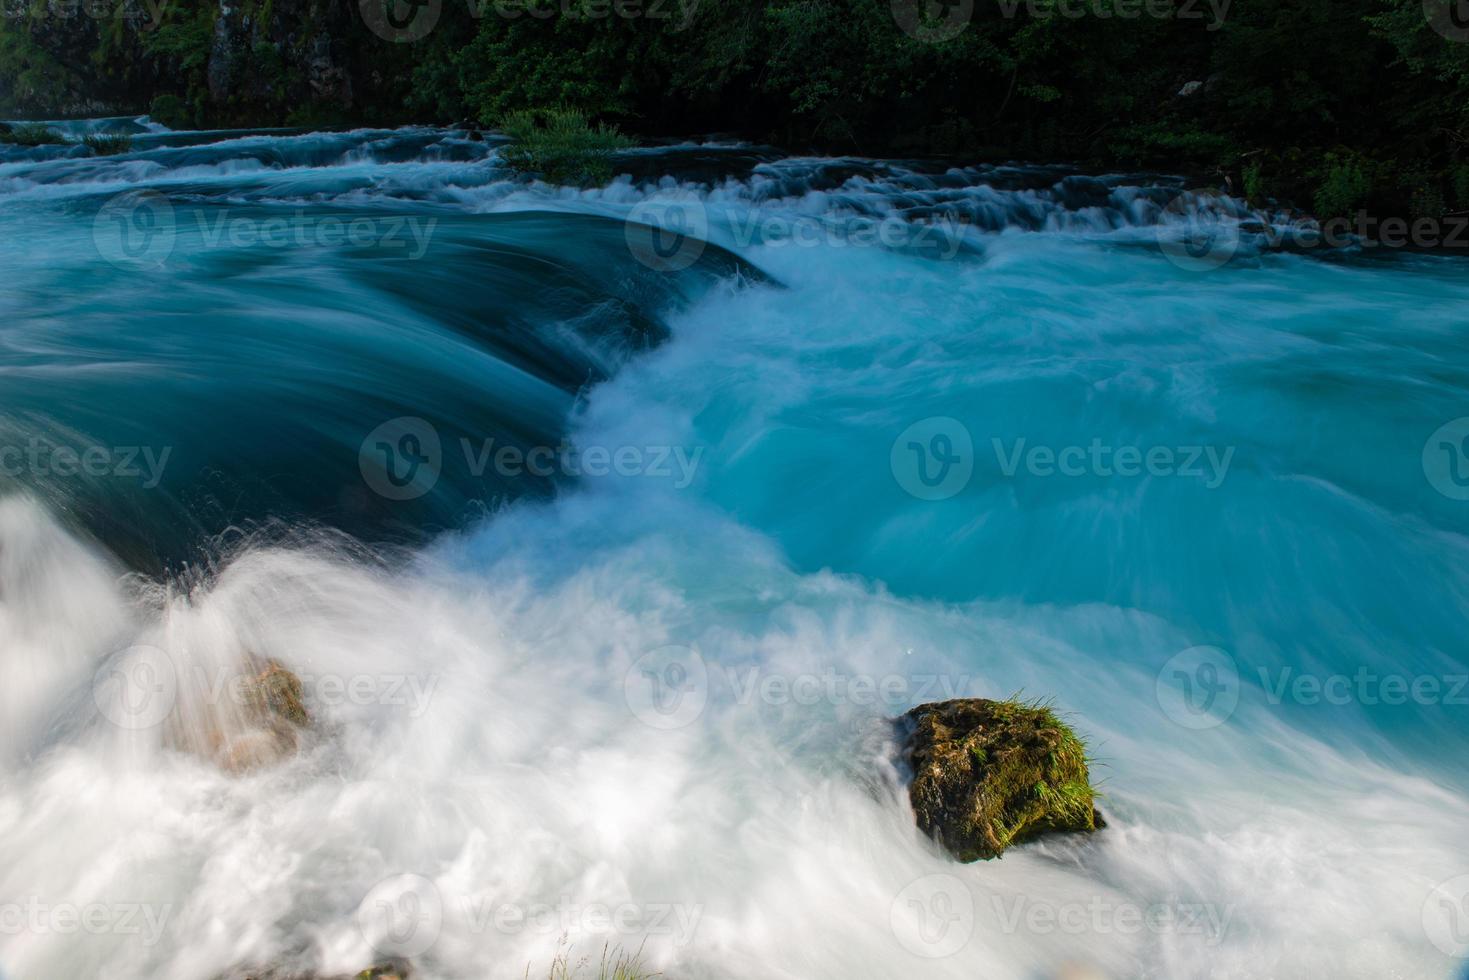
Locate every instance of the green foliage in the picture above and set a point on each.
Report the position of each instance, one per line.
(108, 144)
(170, 111)
(560, 146)
(1281, 84)
(185, 39)
(1345, 185)
(33, 134)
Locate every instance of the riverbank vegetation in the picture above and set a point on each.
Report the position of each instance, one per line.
(1333, 105)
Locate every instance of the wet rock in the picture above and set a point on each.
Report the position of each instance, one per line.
(991, 774)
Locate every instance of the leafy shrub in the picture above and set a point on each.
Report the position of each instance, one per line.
(560, 146)
(1345, 185)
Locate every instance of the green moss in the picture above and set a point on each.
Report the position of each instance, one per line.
(992, 774)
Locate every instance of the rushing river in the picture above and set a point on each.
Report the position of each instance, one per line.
(603, 552)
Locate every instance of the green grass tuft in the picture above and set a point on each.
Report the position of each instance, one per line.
(561, 146)
(615, 963)
(108, 144)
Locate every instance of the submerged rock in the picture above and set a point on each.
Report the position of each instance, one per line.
(990, 774)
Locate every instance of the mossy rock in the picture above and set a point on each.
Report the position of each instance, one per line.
(278, 692)
(991, 774)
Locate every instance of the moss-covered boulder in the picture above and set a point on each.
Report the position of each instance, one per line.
(990, 774)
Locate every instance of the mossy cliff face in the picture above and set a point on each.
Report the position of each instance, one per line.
(991, 774)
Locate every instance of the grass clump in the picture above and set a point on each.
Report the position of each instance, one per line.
(108, 144)
(615, 963)
(32, 134)
(561, 146)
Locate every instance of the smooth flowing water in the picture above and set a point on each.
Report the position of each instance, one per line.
(603, 553)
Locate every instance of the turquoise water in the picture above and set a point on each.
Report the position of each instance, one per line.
(865, 435)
